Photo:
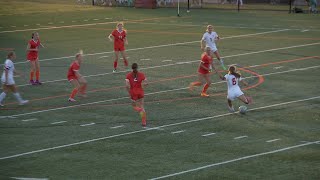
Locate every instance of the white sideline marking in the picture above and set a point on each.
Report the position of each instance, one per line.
(272, 140)
(305, 30)
(240, 137)
(50, 23)
(116, 127)
(237, 159)
(26, 120)
(147, 94)
(210, 134)
(149, 129)
(25, 25)
(95, 19)
(236, 55)
(90, 124)
(145, 59)
(177, 132)
(103, 57)
(13, 26)
(158, 46)
(23, 178)
(86, 20)
(58, 122)
(168, 60)
(73, 21)
(38, 24)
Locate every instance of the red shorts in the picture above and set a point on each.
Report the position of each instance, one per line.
(70, 78)
(32, 56)
(203, 71)
(136, 94)
(119, 48)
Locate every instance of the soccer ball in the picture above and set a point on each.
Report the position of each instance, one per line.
(243, 109)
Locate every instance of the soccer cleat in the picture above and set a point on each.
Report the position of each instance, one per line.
(231, 109)
(32, 82)
(114, 71)
(71, 100)
(37, 82)
(23, 102)
(203, 94)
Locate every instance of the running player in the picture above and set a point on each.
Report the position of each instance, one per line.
(76, 79)
(205, 67)
(7, 80)
(234, 90)
(134, 83)
(209, 38)
(119, 37)
(33, 58)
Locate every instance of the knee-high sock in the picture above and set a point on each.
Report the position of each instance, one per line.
(115, 64)
(125, 61)
(73, 93)
(205, 87)
(18, 97)
(2, 96)
(83, 89)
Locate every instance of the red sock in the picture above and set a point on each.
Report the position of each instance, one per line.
(83, 89)
(136, 108)
(73, 93)
(143, 115)
(37, 75)
(125, 62)
(31, 75)
(205, 87)
(115, 64)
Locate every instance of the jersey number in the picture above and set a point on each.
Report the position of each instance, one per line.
(120, 37)
(234, 81)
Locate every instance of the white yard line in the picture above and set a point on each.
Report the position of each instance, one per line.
(24, 178)
(145, 59)
(235, 160)
(240, 137)
(27, 120)
(147, 94)
(167, 60)
(59, 122)
(158, 46)
(149, 129)
(103, 57)
(273, 140)
(210, 134)
(181, 63)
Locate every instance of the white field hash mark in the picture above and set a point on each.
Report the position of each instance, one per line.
(150, 129)
(90, 124)
(116, 127)
(177, 132)
(27, 120)
(240, 137)
(237, 159)
(147, 94)
(272, 140)
(59, 122)
(210, 134)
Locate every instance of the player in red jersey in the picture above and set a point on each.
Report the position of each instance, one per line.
(32, 56)
(134, 83)
(119, 37)
(204, 70)
(76, 79)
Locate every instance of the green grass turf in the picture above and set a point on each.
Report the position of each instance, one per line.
(131, 152)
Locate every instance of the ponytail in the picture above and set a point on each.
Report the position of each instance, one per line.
(232, 70)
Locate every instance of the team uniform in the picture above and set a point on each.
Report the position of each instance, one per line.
(71, 72)
(136, 90)
(119, 39)
(206, 61)
(210, 39)
(234, 90)
(8, 65)
(33, 55)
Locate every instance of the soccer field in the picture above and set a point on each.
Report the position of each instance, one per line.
(187, 136)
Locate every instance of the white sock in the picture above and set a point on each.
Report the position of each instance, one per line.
(2, 96)
(18, 97)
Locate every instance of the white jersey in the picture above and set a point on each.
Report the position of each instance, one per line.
(234, 90)
(210, 39)
(8, 65)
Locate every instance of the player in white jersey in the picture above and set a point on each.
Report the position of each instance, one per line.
(209, 39)
(7, 80)
(234, 90)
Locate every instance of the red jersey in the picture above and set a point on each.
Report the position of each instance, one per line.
(33, 55)
(206, 62)
(136, 90)
(119, 39)
(72, 69)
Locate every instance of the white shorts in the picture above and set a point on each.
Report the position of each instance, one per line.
(232, 95)
(9, 82)
(213, 48)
